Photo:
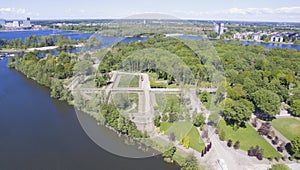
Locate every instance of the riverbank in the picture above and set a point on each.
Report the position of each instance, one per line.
(13, 50)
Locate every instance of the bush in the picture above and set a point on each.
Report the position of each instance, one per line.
(205, 134)
(172, 137)
(157, 121)
(258, 152)
(254, 122)
(229, 143)
(275, 141)
(236, 145)
(264, 129)
(279, 167)
(280, 148)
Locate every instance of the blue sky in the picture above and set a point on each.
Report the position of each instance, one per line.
(253, 10)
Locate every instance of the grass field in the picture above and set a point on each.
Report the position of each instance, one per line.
(182, 129)
(248, 137)
(129, 81)
(168, 103)
(288, 127)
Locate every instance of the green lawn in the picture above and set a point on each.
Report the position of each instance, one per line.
(288, 127)
(129, 81)
(182, 129)
(168, 103)
(248, 137)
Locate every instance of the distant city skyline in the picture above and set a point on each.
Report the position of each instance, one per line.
(254, 10)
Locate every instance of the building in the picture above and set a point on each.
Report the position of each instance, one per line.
(26, 23)
(277, 38)
(256, 36)
(219, 28)
(16, 24)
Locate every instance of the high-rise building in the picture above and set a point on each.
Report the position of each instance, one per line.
(26, 23)
(219, 28)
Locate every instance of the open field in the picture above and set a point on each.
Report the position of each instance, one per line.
(182, 129)
(129, 81)
(288, 127)
(248, 137)
(168, 103)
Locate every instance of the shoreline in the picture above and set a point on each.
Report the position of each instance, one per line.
(12, 50)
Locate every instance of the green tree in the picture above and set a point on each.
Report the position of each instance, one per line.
(279, 167)
(267, 101)
(190, 163)
(295, 147)
(236, 113)
(169, 153)
(186, 141)
(295, 108)
(157, 121)
(199, 120)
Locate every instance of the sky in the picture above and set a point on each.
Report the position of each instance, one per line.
(241, 10)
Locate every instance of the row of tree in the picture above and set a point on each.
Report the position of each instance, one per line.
(34, 41)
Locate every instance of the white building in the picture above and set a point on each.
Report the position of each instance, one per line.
(219, 28)
(26, 23)
(16, 24)
(256, 36)
(277, 38)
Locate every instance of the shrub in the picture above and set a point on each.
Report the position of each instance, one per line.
(275, 141)
(264, 129)
(254, 122)
(236, 145)
(258, 152)
(205, 134)
(172, 136)
(229, 143)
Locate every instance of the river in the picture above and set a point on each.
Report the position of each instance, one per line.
(39, 132)
(108, 41)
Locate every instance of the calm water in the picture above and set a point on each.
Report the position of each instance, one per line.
(106, 41)
(109, 41)
(38, 132)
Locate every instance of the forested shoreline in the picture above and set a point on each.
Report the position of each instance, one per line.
(258, 80)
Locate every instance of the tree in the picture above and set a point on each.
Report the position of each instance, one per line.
(186, 142)
(268, 102)
(280, 148)
(172, 136)
(257, 152)
(236, 145)
(236, 113)
(264, 129)
(190, 163)
(275, 141)
(169, 153)
(295, 108)
(229, 143)
(295, 147)
(199, 120)
(279, 167)
(157, 121)
(173, 117)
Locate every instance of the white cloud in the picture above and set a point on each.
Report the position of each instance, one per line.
(15, 13)
(254, 14)
(13, 10)
(244, 11)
